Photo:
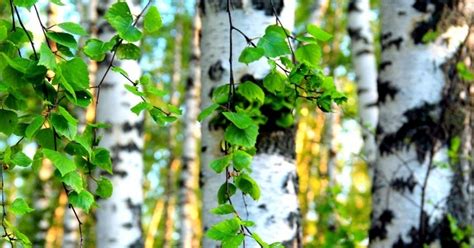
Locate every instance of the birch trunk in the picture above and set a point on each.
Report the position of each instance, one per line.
(363, 61)
(119, 217)
(189, 177)
(276, 214)
(420, 112)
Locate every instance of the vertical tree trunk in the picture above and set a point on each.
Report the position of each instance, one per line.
(420, 112)
(276, 214)
(189, 177)
(363, 61)
(119, 217)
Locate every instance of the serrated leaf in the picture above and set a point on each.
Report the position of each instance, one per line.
(64, 39)
(60, 161)
(233, 242)
(251, 54)
(251, 92)
(104, 188)
(274, 42)
(224, 189)
(274, 82)
(73, 28)
(120, 18)
(101, 158)
(223, 209)
(97, 49)
(128, 51)
(241, 137)
(74, 180)
(21, 159)
(309, 54)
(20, 207)
(8, 121)
(224, 229)
(75, 73)
(240, 120)
(63, 127)
(83, 200)
(241, 160)
(152, 20)
(47, 58)
(34, 126)
(207, 111)
(218, 165)
(245, 183)
(318, 33)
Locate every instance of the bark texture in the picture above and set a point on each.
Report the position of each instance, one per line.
(276, 214)
(419, 115)
(119, 217)
(363, 61)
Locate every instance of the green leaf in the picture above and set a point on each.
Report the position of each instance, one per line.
(220, 95)
(73, 28)
(309, 54)
(96, 49)
(278, 245)
(60, 161)
(74, 180)
(21, 159)
(34, 126)
(241, 120)
(63, 127)
(274, 42)
(286, 120)
(104, 188)
(76, 74)
(245, 183)
(19, 235)
(247, 223)
(3, 32)
(224, 189)
(274, 82)
(140, 107)
(233, 242)
(44, 137)
(47, 58)
(70, 119)
(8, 121)
(318, 33)
(241, 160)
(20, 207)
(251, 54)
(64, 39)
(218, 165)
(134, 90)
(241, 137)
(83, 200)
(25, 3)
(57, 2)
(152, 20)
(128, 51)
(259, 240)
(224, 229)
(251, 92)
(223, 209)
(101, 158)
(121, 19)
(207, 111)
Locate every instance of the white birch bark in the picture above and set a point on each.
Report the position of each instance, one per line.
(119, 217)
(411, 194)
(363, 61)
(276, 213)
(189, 177)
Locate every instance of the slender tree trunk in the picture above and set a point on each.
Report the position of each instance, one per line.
(420, 112)
(189, 177)
(119, 217)
(363, 61)
(276, 214)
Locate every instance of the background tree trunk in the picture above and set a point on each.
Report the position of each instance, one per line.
(419, 109)
(276, 214)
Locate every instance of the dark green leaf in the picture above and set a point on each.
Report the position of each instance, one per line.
(240, 120)
(242, 137)
(318, 33)
(20, 207)
(224, 229)
(60, 161)
(70, 119)
(44, 137)
(251, 54)
(220, 94)
(152, 20)
(101, 158)
(218, 165)
(8, 121)
(120, 18)
(207, 111)
(63, 127)
(223, 209)
(74, 180)
(83, 200)
(64, 39)
(76, 74)
(104, 188)
(128, 51)
(21, 159)
(73, 28)
(34, 126)
(251, 92)
(225, 190)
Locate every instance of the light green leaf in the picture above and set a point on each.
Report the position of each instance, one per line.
(224, 229)
(259, 240)
(104, 188)
(251, 54)
(274, 42)
(128, 51)
(96, 49)
(3, 32)
(134, 90)
(245, 183)
(83, 200)
(21, 237)
(152, 20)
(223, 209)
(224, 190)
(251, 92)
(220, 95)
(274, 82)
(67, 116)
(74, 180)
(34, 126)
(25, 3)
(119, 70)
(60, 161)
(309, 54)
(318, 33)
(20, 207)
(241, 137)
(241, 120)
(63, 127)
(120, 18)
(241, 160)
(233, 242)
(218, 165)
(8, 121)
(21, 159)
(47, 58)
(140, 107)
(73, 28)
(64, 39)
(207, 111)
(101, 158)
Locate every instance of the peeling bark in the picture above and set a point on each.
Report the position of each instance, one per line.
(276, 214)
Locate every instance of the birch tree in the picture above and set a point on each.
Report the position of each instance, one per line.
(363, 61)
(416, 184)
(276, 214)
(119, 217)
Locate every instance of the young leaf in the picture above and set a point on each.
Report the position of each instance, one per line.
(96, 49)
(128, 51)
(152, 20)
(73, 28)
(240, 120)
(140, 107)
(134, 90)
(83, 200)
(101, 158)
(25, 3)
(64, 39)
(274, 82)
(242, 137)
(34, 126)
(241, 160)
(226, 189)
(120, 18)
(274, 42)
(220, 94)
(207, 111)
(251, 54)
(8, 121)
(74, 180)
(245, 183)
(20, 207)
(223, 209)
(47, 58)
(104, 188)
(21, 159)
(309, 54)
(218, 165)
(251, 92)
(318, 33)
(233, 242)
(60, 161)
(224, 229)
(259, 240)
